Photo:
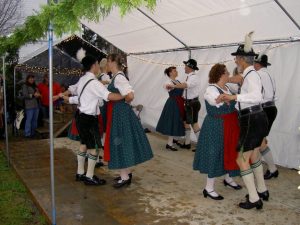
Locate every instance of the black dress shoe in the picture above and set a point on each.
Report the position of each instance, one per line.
(264, 195)
(123, 183)
(268, 175)
(99, 164)
(171, 148)
(94, 181)
(176, 142)
(238, 187)
(186, 146)
(249, 205)
(119, 178)
(206, 193)
(80, 177)
(194, 150)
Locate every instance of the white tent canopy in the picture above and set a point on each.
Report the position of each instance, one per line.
(208, 24)
(198, 23)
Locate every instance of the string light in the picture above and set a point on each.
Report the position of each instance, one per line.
(199, 64)
(37, 69)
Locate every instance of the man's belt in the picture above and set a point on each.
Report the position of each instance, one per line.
(191, 100)
(268, 104)
(86, 115)
(251, 110)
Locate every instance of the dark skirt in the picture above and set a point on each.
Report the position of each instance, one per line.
(128, 143)
(253, 129)
(171, 121)
(271, 113)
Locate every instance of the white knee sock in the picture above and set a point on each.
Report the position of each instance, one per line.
(170, 141)
(124, 174)
(187, 136)
(210, 185)
(229, 180)
(248, 179)
(81, 161)
(91, 165)
(259, 176)
(197, 132)
(267, 154)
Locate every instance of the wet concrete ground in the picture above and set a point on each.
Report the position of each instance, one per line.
(164, 191)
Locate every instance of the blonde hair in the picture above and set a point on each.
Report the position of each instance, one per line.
(103, 63)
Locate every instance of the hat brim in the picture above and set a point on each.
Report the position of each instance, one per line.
(262, 63)
(244, 54)
(194, 68)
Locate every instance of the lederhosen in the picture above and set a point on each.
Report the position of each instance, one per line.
(88, 127)
(253, 125)
(192, 108)
(270, 108)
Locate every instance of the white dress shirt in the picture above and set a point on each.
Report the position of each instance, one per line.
(193, 84)
(251, 89)
(122, 84)
(269, 85)
(212, 93)
(92, 96)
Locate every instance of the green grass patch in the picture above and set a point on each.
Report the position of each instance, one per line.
(16, 206)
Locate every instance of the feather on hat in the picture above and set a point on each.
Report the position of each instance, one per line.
(80, 54)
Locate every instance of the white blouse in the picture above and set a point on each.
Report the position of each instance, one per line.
(172, 82)
(212, 93)
(122, 84)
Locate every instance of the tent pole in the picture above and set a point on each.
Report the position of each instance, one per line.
(5, 109)
(288, 15)
(176, 38)
(275, 41)
(14, 127)
(50, 46)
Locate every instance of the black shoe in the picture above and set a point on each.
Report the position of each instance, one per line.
(80, 177)
(264, 195)
(99, 164)
(249, 205)
(268, 175)
(238, 187)
(194, 150)
(185, 146)
(100, 157)
(94, 181)
(171, 148)
(205, 194)
(176, 142)
(119, 178)
(123, 183)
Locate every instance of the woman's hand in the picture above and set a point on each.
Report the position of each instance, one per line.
(170, 86)
(225, 98)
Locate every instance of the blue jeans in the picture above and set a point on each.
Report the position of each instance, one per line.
(31, 121)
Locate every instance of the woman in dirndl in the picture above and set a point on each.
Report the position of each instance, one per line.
(126, 143)
(171, 119)
(216, 149)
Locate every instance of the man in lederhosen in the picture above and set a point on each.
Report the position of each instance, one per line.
(192, 103)
(253, 126)
(89, 92)
(260, 64)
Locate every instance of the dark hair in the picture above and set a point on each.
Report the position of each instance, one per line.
(27, 82)
(118, 59)
(216, 72)
(169, 70)
(87, 62)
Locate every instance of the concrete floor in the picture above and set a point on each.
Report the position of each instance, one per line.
(164, 190)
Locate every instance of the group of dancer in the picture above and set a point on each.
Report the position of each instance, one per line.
(233, 135)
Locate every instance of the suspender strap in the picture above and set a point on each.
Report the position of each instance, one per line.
(83, 90)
